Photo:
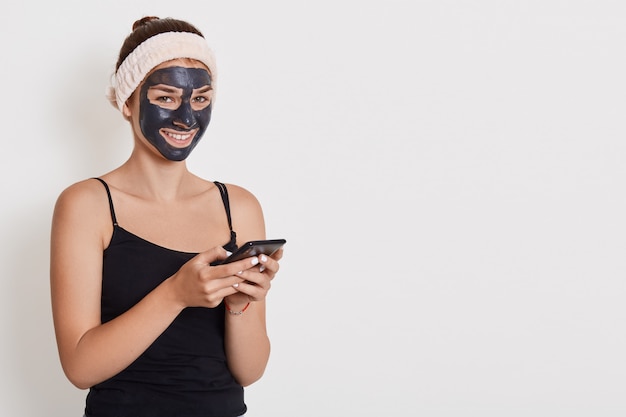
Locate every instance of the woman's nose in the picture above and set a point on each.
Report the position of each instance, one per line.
(183, 116)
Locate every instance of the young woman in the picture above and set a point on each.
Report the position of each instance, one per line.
(141, 316)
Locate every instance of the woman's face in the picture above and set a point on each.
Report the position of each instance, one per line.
(175, 107)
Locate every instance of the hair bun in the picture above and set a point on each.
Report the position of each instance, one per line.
(143, 21)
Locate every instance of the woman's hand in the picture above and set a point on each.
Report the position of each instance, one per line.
(256, 281)
(198, 284)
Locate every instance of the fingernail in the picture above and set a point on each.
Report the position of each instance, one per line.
(228, 253)
(262, 268)
(255, 260)
(240, 272)
(263, 258)
(236, 285)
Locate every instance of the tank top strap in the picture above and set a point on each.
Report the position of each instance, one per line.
(106, 187)
(232, 245)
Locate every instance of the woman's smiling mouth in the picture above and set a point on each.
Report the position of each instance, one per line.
(179, 139)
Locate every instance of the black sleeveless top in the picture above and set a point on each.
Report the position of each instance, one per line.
(184, 372)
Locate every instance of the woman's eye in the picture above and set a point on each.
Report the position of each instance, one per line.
(200, 99)
(164, 99)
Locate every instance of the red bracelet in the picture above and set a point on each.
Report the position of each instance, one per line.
(236, 313)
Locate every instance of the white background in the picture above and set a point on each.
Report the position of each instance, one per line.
(449, 176)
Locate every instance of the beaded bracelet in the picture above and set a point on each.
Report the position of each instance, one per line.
(236, 313)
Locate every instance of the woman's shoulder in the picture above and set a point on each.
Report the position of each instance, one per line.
(246, 212)
(85, 196)
(83, 190)
(242, 196)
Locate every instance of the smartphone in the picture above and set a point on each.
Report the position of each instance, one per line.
(254, 248)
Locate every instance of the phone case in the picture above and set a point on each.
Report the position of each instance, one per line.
(254, 248)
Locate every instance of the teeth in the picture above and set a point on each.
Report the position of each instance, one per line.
(179, 137)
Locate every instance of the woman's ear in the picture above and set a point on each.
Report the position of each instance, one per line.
(126, 110)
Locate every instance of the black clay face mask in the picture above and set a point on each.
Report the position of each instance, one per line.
(175, 109)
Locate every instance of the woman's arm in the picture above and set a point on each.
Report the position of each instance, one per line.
(246, 340)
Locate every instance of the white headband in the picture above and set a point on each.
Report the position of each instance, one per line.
(152, 52)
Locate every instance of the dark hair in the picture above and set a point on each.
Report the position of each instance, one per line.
(147, 27)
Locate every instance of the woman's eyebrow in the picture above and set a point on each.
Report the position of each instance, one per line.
(203, 89)
(165, 88)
